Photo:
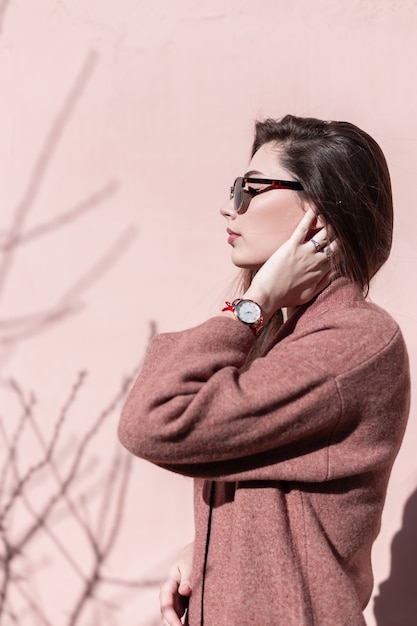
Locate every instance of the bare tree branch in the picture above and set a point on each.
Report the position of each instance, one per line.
(36, 610)
(12, 446)
(21, 482)
(68, 473)
(72, 473)
(101, 537)
(102, 552)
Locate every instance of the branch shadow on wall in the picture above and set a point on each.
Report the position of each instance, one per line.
(58, 486)
(15, 329)
(396, 602)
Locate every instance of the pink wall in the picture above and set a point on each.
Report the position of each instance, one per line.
(126, 121)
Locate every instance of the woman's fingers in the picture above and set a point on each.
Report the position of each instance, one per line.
(304, 226)
(176, 588)
(298, 270)
(170, 602)
(332, 248)
(325, 249)
(323, 241)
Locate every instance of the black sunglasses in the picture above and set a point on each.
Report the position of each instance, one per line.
(242, 197)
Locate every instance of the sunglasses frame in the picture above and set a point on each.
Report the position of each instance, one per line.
(248, 194)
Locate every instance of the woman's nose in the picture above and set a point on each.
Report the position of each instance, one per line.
(228, 209)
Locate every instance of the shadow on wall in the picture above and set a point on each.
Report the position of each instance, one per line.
(396, 603)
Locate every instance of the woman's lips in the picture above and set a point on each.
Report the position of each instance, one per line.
(232, 236)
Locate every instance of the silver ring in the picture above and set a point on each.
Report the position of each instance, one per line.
(328, 252)
(315, 244)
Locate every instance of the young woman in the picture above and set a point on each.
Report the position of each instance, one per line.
(289, 428)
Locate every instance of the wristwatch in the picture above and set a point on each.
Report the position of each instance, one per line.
(248, 312)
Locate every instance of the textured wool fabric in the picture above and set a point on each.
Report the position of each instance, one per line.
(291, 458)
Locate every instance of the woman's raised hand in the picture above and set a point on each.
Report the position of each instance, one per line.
(297, 271)
(176, 588)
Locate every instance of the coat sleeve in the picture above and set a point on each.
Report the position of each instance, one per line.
(192, 411)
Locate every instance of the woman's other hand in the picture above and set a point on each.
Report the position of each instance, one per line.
(297, 271)
(176, 588)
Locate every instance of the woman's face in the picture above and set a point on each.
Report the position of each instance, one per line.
(271, 217)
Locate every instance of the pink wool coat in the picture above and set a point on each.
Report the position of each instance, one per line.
(291, 458)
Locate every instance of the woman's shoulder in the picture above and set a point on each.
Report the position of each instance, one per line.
(343, 306)
(342, 330)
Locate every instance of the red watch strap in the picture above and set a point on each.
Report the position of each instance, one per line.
(229, 307)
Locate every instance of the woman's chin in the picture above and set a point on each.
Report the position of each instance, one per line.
(246, 264)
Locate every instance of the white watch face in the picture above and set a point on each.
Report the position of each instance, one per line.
(248, 311)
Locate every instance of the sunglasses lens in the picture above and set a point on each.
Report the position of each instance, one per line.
(237, 193)
(241, 201)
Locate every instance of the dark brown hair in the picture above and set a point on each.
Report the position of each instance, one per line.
(345, 175)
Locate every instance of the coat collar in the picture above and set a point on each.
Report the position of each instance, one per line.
(338, 294)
